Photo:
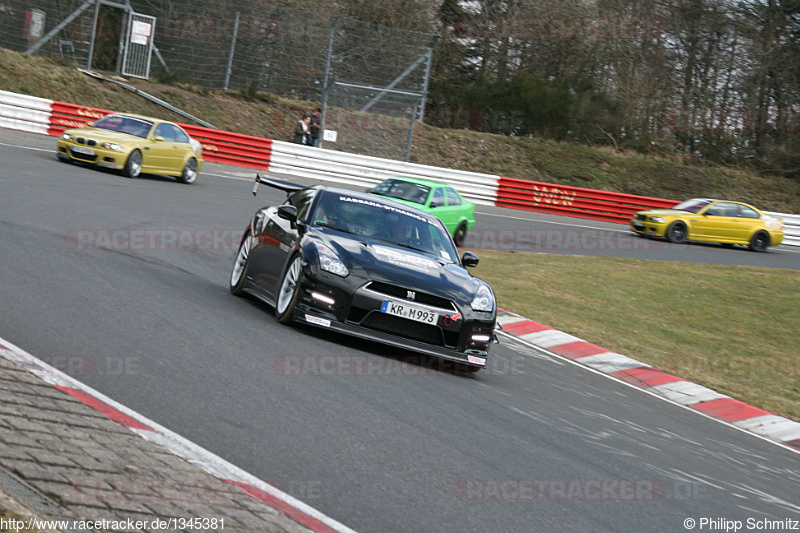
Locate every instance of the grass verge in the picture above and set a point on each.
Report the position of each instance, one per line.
(730, 328)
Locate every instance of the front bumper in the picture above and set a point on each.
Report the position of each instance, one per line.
(647, 227)
(100, 156)
(473, 358)
(455, 337)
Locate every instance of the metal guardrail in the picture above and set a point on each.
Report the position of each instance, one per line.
(791, 231)
(39, 115)
(365, 171)
(573, 201)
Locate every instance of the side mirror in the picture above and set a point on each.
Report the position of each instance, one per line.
(158, 138)
(288, 212)
(436, 204)
(469, 259)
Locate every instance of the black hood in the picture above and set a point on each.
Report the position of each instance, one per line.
(377, 260)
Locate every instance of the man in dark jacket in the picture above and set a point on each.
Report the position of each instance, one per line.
(315, 126)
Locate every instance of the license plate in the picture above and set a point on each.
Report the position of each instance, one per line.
(637, 224)
(82, 150)
(409, 311)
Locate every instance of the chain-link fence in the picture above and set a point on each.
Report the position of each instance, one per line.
(376, 76)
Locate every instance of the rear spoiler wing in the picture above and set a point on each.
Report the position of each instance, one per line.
(285, 186)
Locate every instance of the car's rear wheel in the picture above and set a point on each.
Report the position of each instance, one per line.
(133, 166)
(289, 291)
(676, 232)
(189, 174)
(460, 235)
(239, 272)
(760, 241)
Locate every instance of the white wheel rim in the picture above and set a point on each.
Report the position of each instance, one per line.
(289, 285)
(189, 172)
(241, 262)
(136, 164)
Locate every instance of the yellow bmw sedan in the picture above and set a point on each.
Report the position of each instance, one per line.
(711, 220)
(134, 144)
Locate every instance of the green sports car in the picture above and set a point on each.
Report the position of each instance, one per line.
(440, 199)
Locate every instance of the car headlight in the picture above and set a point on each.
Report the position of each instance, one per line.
(657, 219)
(330, 262)
(66, 136)
(484, 299)
(113, 146)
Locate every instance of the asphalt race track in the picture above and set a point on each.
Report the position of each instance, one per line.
(123, 284)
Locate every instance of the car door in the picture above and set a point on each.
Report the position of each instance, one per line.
(453, 210)
(748, 220)
(717, 223)
(160, 151)
(276, 239)
(437, 204)
(173, 147)
(181, 147)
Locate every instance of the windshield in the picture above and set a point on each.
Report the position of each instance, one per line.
(402, 190)
(129, 125)
(376, 220)
(693, 206)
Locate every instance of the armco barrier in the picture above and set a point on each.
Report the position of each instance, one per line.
(232, 148)
(364, 171)
(43, 116)
(791, 232)
(573, 201)
(25, 113)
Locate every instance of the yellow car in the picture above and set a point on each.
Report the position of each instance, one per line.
(711, 220)
(134, 144)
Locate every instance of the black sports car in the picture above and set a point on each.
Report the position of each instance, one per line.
(369, 267)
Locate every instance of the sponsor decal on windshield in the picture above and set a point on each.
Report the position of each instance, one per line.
(391, 208)
(408, 260)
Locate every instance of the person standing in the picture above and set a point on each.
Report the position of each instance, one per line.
(314, 127)
(301, 130)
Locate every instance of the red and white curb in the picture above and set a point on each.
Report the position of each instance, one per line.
(187, 450)
(663, 384)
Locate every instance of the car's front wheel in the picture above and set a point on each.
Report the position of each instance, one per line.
(289, 291)
(460, 235)
(676, 232)
(189, 174)
(759, 242)
(240, 266)
(133, 166)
